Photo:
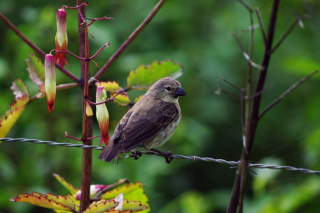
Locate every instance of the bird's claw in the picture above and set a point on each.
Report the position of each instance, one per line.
(167, 156)
(136, 155)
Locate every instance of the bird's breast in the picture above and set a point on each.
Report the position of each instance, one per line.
(162, 136)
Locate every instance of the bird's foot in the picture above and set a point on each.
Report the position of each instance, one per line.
(135, 154)
(165, 154)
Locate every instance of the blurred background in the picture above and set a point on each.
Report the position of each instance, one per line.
(197, 34)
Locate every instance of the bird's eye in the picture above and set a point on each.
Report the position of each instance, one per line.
(168, 88)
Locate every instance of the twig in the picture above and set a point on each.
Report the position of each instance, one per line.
(284, 36)
(98, 19)
(261, 26)
(246, 6)
(129, 39)
(231, 84)
(67, 86)
(80, 58)
(37, 49)
(109, 99)
(246, 56)
(286, 93)
(175, 156)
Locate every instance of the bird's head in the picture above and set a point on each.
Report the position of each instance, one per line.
(167, 89)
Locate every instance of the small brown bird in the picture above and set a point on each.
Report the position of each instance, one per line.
(150, 122)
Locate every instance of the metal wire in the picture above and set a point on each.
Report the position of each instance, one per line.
(207, 159)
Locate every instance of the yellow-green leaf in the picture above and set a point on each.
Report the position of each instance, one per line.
(65, 200)
(11, 116)
(19, 88)
(67, 185)
(131, 192)
(121, 99)
(137, 99)
(41, 200)
(101, 206)
(144, 76)
(35, 69)
(109, 86)
(134, 206)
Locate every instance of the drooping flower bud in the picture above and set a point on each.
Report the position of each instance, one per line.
(50, 81)
(61, 36)
(102, 115)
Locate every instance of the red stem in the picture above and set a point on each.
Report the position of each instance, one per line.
(34, 47)
(130, 39)
(86, 121)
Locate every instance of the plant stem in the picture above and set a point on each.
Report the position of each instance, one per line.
(86, 121)
(254, 118)
(34, 47)
(129, 39)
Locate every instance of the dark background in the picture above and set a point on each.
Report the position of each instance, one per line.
(197, 34)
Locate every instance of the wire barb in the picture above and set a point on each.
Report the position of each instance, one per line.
(175, 156)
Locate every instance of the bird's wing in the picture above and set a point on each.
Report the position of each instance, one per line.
(146, 122)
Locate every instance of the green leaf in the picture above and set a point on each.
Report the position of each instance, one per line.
(36, 71)
(109, 86)
(144, 76)
(52, 202)
(131, 192)
(121, 99)
(67, 185)
(19, 88)
(101, 206)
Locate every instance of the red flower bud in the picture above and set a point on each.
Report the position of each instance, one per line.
(61, 36)
(50, 81)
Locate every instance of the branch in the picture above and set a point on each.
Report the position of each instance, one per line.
(285, 35)
(239, 182)
(261, 26)
(37, 49)
(286, 93)
(129, 39)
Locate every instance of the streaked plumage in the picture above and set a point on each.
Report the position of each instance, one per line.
(150, 122)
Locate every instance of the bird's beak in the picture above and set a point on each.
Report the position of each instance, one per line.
(180, 92)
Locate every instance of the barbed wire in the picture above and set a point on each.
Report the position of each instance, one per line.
(175, 156)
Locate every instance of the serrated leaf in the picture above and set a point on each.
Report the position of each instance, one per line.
(67, 185)
(19, 88)
(121, 99)
(101, 206)
(144, 76)
(137, 99)
(11, 116)
(133, 206)
(41, 200)
(36, 71)
(109, 86)
(131, 192)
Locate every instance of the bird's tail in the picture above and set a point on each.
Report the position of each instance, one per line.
(110, 152)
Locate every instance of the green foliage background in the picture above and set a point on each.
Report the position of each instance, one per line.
(197, 34)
